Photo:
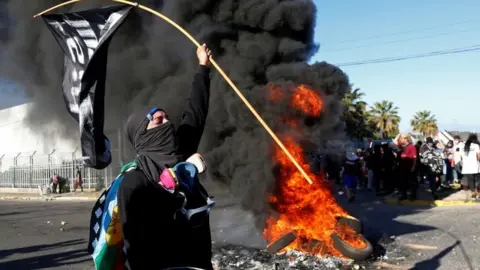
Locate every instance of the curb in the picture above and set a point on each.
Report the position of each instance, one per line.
(25, 198)
(428, 203)
(38, 198)
(76, 198)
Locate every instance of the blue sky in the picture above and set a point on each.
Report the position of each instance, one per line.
(447, 85)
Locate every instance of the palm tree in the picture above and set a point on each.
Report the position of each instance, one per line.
(425, 123)
(354, 114)
(385, 116)
(353, 99)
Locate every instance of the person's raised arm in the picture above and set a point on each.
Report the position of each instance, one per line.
(195, 113)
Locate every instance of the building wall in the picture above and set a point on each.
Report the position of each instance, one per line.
(16, 137)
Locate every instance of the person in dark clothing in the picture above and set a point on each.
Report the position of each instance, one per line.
(351, 172)
(154, 235)
(447, 178)
(369, 159)
(428, 153)
(333, 168)
(78, 180)
(58, 181)
(397, 153)
(388, 161)
(420, 169)
(377, 168)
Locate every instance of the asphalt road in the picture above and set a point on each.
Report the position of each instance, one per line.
(34, 237)
(446, 238)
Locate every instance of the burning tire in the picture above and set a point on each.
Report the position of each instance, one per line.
(351, 222)
(357, 254)
(281, 243)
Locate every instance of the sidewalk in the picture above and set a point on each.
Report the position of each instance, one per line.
(79, 196)
(451, 197)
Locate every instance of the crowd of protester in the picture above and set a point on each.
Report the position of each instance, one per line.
(402, 165)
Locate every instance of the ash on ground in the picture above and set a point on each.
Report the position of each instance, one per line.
(227, 257)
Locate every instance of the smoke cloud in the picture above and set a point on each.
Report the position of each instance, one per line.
(257, 42)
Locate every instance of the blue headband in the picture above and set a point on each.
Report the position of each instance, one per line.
(152, 112)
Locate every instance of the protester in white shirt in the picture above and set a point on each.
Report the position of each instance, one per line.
(470, 158)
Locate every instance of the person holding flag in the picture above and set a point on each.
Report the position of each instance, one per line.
(155, 236)
(155, 214)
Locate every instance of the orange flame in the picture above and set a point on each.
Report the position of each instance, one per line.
(306, 100)
(309, 210)
(302, 98)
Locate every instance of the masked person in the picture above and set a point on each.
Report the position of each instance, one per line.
(154, 236)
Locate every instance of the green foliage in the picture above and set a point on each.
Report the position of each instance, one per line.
(380, 122)
(425, 123)
(355, 115)
(385, 116)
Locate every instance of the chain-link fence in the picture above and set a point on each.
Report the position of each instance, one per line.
(29, 170)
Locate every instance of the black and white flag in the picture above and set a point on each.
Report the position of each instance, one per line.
(84, 37)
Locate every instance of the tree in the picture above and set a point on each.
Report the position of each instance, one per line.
(385, 116)
(425, 123)
(355, 114)
(353, 100)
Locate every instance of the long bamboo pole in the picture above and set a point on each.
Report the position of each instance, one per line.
(219, 69)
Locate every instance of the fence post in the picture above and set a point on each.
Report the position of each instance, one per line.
(15, 163)
(105, 177)
(31, 168)
(73, 156)
(50, 162)
(74, 165)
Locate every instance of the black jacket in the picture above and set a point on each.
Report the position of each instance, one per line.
(153, 239)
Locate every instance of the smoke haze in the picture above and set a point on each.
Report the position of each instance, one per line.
(257, 42)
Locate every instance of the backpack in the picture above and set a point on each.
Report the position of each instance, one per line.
(105, 243)
(432, 159)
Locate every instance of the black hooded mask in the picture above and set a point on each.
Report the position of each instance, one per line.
(156, 148)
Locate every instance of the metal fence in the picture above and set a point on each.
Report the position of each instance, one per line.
(28, 170)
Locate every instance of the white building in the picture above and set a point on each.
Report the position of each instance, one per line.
(18, 139)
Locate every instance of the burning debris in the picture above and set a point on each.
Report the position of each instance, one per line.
(386, 254)
(236, 257)
(307, 217)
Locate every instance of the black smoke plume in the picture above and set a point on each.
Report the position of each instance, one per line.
(257, 42)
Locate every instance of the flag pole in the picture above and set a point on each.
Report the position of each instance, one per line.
(55, 7)
(219, 69)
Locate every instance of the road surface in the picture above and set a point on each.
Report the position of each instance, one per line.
(440, 238)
